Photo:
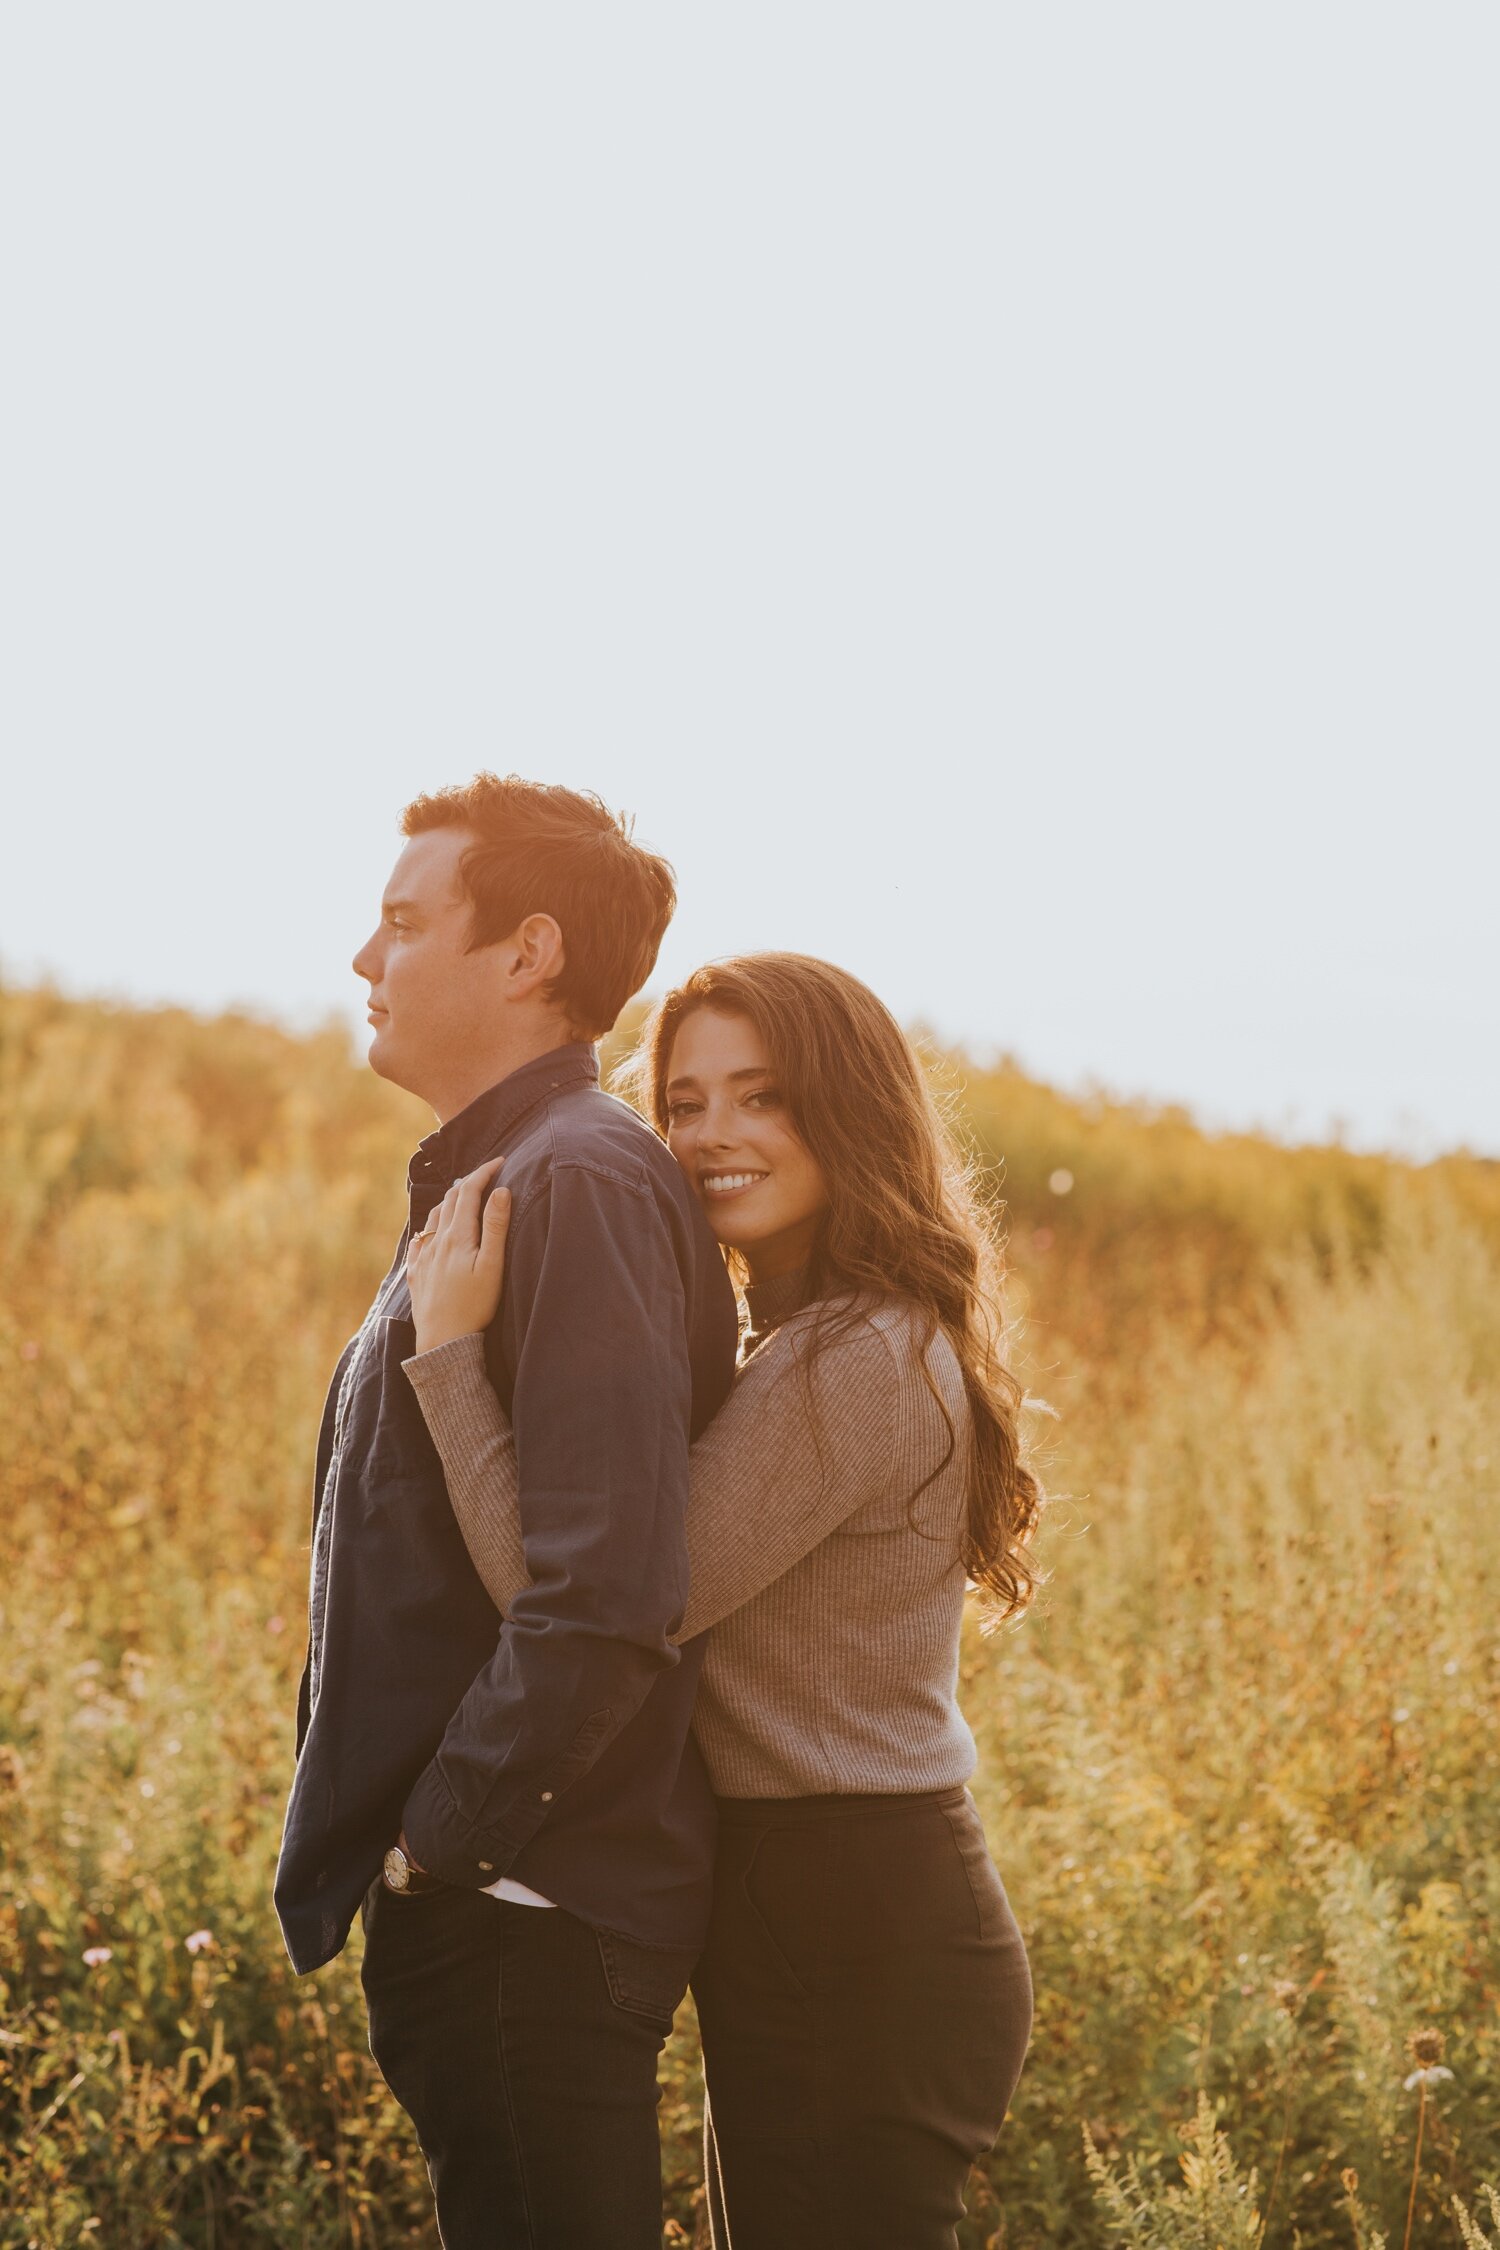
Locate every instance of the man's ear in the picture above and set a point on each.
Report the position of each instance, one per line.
(533, 956)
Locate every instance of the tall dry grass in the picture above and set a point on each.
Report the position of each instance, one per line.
(1240, 1770)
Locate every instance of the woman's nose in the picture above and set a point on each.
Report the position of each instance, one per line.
(721, 1124)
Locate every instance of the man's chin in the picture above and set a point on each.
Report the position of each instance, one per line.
(381, 1057)
(391, 1061)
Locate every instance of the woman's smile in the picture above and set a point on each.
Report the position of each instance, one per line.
(722, 1184)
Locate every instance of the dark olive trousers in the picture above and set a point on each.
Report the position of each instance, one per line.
(865, 2004)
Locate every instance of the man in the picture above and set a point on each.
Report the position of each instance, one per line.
(519, 1804)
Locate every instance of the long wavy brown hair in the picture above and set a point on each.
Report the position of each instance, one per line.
(904, 1216)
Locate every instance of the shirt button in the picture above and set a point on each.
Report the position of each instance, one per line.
(546, 1796)
(486, 1867)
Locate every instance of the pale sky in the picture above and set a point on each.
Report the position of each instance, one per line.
(1009, 496)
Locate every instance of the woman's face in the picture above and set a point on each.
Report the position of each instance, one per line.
(729, 1129)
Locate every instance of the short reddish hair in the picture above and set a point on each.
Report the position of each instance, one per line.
(541, 849)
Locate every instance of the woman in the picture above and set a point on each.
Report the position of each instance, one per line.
(863, 1997)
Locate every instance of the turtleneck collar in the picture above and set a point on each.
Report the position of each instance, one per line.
(769, 1303)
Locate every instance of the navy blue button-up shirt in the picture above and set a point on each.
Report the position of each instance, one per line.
(553, 1746)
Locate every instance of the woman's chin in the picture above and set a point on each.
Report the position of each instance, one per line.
(732, 1237)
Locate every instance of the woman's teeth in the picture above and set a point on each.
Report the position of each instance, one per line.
(724, 1183)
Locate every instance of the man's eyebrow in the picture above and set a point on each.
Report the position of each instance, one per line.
(399, 906)
(755, 1070)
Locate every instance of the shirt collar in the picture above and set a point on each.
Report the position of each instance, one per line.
(476, 1132)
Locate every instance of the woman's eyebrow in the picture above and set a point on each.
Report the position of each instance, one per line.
(755, 1070)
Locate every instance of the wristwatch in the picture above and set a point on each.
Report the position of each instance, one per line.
(401, 1875)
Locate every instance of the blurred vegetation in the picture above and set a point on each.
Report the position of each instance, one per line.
(1240, 1769)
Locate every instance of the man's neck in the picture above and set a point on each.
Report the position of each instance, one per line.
(496, 1062)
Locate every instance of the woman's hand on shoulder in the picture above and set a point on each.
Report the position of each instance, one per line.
(455, 1268)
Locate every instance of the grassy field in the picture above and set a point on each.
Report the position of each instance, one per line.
(1240, 1770)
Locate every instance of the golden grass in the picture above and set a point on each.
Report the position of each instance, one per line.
(1240, 1770)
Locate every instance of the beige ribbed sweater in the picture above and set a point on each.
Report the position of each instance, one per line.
(834, 1602)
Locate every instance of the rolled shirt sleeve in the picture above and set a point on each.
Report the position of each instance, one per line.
(594, 1309)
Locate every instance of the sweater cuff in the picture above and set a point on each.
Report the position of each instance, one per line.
(457, 1361)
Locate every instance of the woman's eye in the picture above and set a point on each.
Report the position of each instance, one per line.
(765, 1094)
(677, 1111)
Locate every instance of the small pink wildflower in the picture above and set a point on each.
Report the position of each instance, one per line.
(95, 1956)
(275, 1624)
(199, 1941)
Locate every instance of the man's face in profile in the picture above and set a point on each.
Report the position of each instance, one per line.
(431, 1000)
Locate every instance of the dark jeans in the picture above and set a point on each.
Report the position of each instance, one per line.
(865, 2004)
(523, 2045)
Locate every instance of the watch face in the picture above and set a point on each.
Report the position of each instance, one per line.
(397, 1872)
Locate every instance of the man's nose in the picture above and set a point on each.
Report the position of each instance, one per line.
(364, 964)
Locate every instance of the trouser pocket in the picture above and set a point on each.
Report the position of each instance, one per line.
(992, 1916)
(644, 1980)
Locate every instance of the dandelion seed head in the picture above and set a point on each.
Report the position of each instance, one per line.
(1426, 2046)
